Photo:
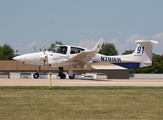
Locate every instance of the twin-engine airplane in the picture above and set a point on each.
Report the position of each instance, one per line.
(72, 56)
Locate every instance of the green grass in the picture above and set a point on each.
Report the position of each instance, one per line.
(78, 103)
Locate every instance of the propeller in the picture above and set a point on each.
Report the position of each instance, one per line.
(44, 56)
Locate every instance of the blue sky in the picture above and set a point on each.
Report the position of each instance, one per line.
(80, 22)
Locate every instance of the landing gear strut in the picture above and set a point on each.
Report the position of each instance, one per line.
(70, 72)
(61, 74)
(36, 75)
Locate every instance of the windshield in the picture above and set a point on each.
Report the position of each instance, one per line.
(58, 49)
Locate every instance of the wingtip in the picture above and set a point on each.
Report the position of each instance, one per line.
(98, 45)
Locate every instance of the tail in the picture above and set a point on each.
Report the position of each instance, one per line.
(143, 52)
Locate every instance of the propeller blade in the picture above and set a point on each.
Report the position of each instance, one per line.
(35, 47)
(44, 49)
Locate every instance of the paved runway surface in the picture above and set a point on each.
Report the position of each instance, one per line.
(81, 82)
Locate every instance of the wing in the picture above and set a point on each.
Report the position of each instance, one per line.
(84, 57)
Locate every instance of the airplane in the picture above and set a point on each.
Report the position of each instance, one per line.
(72, 56)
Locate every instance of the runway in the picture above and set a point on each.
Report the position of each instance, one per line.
(81, 82)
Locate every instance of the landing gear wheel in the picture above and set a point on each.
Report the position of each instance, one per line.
(35, 75)
(62, 76)
(72, 77)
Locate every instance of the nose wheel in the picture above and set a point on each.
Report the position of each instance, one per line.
(35, 75)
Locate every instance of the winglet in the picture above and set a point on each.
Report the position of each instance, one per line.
(98, 45)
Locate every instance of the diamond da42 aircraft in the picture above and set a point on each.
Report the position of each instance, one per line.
(72, 56)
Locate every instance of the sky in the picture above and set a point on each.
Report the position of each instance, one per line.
(80, 22)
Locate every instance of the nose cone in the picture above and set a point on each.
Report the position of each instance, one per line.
(18, 58)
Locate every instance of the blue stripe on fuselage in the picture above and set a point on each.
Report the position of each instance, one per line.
(128, 65)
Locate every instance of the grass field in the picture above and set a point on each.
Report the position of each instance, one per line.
(76, 103)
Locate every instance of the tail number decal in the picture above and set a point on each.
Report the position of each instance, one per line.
(111, 59)
(139, 49)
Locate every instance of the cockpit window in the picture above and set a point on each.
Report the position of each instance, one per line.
(58, 49)
(75, 50)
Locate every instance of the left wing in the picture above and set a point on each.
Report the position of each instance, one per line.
(84, 57)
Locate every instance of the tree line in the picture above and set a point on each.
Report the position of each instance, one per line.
(7, 53)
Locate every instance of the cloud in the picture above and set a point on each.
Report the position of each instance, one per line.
(114, 41)
(30, 45)
(158, 37)
(131, 39)
(87, 43)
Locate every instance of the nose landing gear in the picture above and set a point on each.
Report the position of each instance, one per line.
(36, 75)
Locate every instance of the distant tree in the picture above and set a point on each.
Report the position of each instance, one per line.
(128, 52)
(6, 52)
(108, 49)
(56, 42)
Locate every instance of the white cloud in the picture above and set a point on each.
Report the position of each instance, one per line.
(30, 45)
(131, 39)
(114, 41)
(158, 37)
(87, 43)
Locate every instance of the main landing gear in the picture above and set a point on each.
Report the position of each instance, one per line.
(72, 77)
(61, 74)
(70, 72)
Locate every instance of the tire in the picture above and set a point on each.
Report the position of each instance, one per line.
(72, 77)
(35, 75)
(62, 76)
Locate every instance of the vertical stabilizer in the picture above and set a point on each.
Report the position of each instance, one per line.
(143, 52)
